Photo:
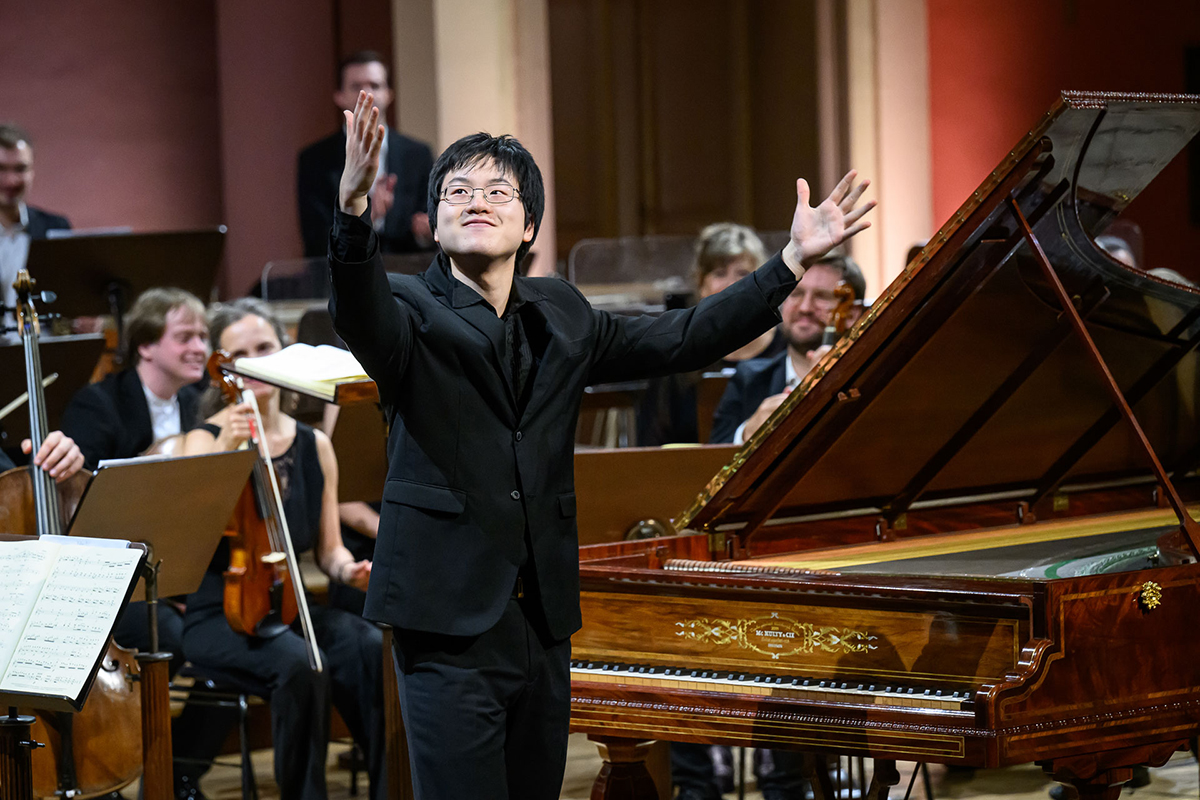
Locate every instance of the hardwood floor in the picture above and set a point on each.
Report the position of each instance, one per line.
(1180, 778)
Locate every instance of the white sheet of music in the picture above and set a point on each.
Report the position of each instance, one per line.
(68, 624)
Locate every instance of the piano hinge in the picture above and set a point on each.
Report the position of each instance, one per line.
(716, 544)
(1062, 501)
(848, 395)
(1025, 514)
(885, 528)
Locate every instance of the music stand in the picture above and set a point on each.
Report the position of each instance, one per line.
(106, 270)
(74, 358)
(359, 440)
(181, 509)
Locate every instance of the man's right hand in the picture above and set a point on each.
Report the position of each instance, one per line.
(765, 409)
(364, 137)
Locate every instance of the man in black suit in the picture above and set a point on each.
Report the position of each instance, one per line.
(759, 385)
(481, 373)
(19, 222)
(398, 195)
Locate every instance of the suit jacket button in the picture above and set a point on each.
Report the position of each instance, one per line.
(515, 495)
(518, 436)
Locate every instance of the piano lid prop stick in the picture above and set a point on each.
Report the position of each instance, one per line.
(1191, 529)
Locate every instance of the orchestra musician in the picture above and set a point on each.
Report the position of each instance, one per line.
(352, 647)
(759, 386)
(19, 221)
(481, 373)
(725, 253)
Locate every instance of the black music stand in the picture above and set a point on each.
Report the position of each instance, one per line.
(105, 271)
(74, 358)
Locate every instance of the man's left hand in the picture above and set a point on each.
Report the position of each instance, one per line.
(816, 231)
(58, 455)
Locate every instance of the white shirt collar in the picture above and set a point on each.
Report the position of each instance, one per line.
(164, 414)
(790, 378)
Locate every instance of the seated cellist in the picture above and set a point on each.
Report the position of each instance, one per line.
(351, 647)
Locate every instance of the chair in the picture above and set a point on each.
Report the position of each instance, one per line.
(221, 689)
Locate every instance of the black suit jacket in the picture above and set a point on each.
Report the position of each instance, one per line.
(468, 474)
(110, 419)
(319, 169)
(42, 221)
(755, 380)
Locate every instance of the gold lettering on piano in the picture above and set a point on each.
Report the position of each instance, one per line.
(776, 636)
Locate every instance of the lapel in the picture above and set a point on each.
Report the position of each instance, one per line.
(778, 373)
(468, 305)
(139, 427)
(554, 355)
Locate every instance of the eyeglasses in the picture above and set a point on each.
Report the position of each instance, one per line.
(821, 298)
(494, 193)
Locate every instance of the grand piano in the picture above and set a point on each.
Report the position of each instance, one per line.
(964, 538)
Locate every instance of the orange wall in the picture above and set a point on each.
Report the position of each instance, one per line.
(996, 67)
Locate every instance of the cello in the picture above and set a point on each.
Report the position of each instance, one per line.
(99, 749)
(263, 592)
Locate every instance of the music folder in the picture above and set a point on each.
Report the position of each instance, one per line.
(61, 597)
(177, 506)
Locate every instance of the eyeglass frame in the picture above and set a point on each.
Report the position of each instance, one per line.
(443, 198)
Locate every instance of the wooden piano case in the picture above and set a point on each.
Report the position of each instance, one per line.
(964, 537)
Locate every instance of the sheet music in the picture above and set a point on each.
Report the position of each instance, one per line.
(24, 566)
(71, 620)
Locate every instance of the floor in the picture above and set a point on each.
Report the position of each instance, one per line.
(1180, 778)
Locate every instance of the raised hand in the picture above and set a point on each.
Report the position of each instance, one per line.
(816, 231)
(364, 137)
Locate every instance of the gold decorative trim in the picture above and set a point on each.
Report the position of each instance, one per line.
(776, 636)
(1150, 596)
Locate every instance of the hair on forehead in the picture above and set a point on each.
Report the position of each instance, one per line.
(510, 158)
(147, 320)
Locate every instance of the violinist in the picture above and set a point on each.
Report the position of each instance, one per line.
(759, 386)
(351, 647)
(120, 417)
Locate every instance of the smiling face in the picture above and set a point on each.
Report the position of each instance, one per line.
(16, 175)
(251, 336)
(479, 231)
(809, 308)
(180, 354)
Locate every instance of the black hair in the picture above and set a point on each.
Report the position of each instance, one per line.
(361, 57)
(509, 156)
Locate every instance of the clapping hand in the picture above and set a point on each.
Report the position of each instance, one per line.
(816, 231)
(364, 137)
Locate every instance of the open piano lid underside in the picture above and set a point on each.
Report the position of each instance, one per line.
(916, 375)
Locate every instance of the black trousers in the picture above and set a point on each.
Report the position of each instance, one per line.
(300, 698)
(199, 731)
(486, 715)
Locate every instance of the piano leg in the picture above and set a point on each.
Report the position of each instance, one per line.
(883, 778)
(624, 775)
(815, 768)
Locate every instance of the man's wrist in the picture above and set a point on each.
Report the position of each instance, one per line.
(793, 259)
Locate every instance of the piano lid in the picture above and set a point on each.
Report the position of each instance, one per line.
(964, 379)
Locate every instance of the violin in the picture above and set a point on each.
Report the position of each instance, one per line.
(839, 320)
(263, 593)
(99, 749)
